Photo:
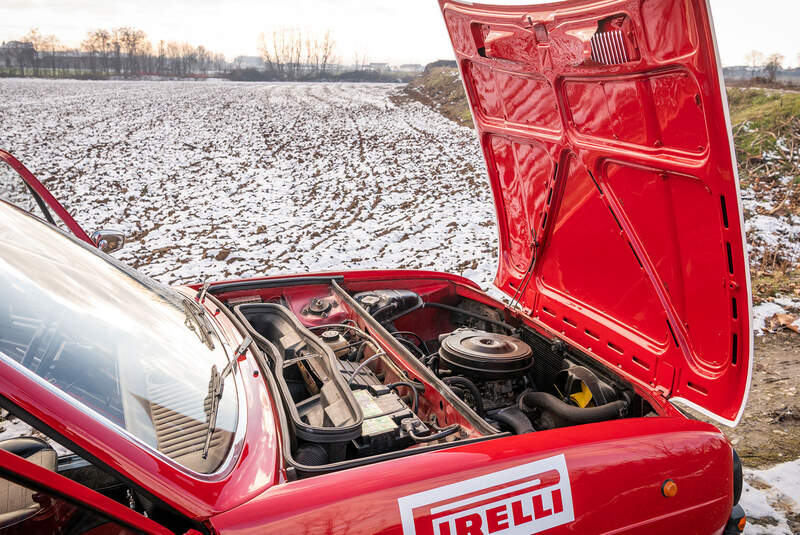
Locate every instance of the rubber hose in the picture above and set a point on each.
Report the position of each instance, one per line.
(409, 344)
(515, 419)
(402, 313)
(458, 391)
(414, 393)
(471, 314)
(571, 413)
(465, 383)
(382, 309)
(311, 455)
(361, 366)
(436, 436)
(415, 335)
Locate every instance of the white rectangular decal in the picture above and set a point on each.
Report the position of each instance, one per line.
(522, 500)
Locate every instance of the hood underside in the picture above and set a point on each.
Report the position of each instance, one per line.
(605, 131)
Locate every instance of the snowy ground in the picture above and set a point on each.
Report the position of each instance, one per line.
(233, 180)
(769, 496)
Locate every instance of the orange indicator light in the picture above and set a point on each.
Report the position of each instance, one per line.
(669, 488)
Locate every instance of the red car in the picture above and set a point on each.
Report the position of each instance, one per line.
(411, 402)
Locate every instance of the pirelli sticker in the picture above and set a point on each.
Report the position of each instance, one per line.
(522, 500)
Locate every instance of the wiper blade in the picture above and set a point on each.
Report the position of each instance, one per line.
(215, 387)
(201, 294)
(196, 315)
(214, 393)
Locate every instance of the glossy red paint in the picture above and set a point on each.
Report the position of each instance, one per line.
(46, 196)
(623, 463)
(34, 476)
(576, 147)
(615, 470)
(197, 496)
(604, 127)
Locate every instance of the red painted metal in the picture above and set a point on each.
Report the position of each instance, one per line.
(624, 462)
(604, 127)
(46, 196)
(616, 471)
(34, 476)
(608, 148)
(197, 496)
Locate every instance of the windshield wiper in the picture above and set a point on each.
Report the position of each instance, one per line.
(215, 386)
(196, 315)
(201, 293)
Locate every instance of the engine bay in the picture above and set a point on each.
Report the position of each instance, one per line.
(371, 373)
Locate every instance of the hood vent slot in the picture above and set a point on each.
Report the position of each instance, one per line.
(608, 48)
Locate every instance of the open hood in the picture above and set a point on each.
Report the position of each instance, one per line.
(605, 129)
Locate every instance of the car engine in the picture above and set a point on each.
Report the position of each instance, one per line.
(348, 399)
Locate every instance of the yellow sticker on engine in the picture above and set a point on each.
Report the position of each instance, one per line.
(582, 398)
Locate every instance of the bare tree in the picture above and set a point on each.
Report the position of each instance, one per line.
(289, 55)
(37, 40)
(773, 65)
(359, 61)
(327, 51)
(134, 43)
(125, 50)
(754, 60)
(98, 46)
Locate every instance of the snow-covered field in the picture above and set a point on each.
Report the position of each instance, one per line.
(228, 180)
(217, 180)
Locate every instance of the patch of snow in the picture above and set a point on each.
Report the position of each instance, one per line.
(769, 495)
(787, 302)
(769, 232)
(762, 312)
(220, 180)
(775, 232)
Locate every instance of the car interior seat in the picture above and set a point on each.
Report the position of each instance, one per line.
(16, 502)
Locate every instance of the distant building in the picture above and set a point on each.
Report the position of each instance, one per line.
(741, 72)
(379, 67)
(16, 45)
(411, 67)
(17, 55)
(249, 62)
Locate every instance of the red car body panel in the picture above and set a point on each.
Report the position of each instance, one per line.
(34, 476)
(612, 291)
(620, 462)
(46, 196)
(196, 496)
(602, 473)
(605, 132)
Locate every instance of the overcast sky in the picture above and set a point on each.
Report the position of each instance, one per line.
(394, 31)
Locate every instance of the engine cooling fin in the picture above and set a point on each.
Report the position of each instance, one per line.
(485, 355)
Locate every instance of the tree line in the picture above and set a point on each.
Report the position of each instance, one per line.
(284, 54)
(769, 65)
(292, 54)
(123, 51)
(289, 54)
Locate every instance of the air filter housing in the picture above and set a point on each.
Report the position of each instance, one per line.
(485, 355)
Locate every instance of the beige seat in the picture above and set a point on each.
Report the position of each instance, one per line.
(16, 502)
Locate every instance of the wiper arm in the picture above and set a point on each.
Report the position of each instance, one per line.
(215, 386)
(201, 294)
(215, 393)
(196, 315)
